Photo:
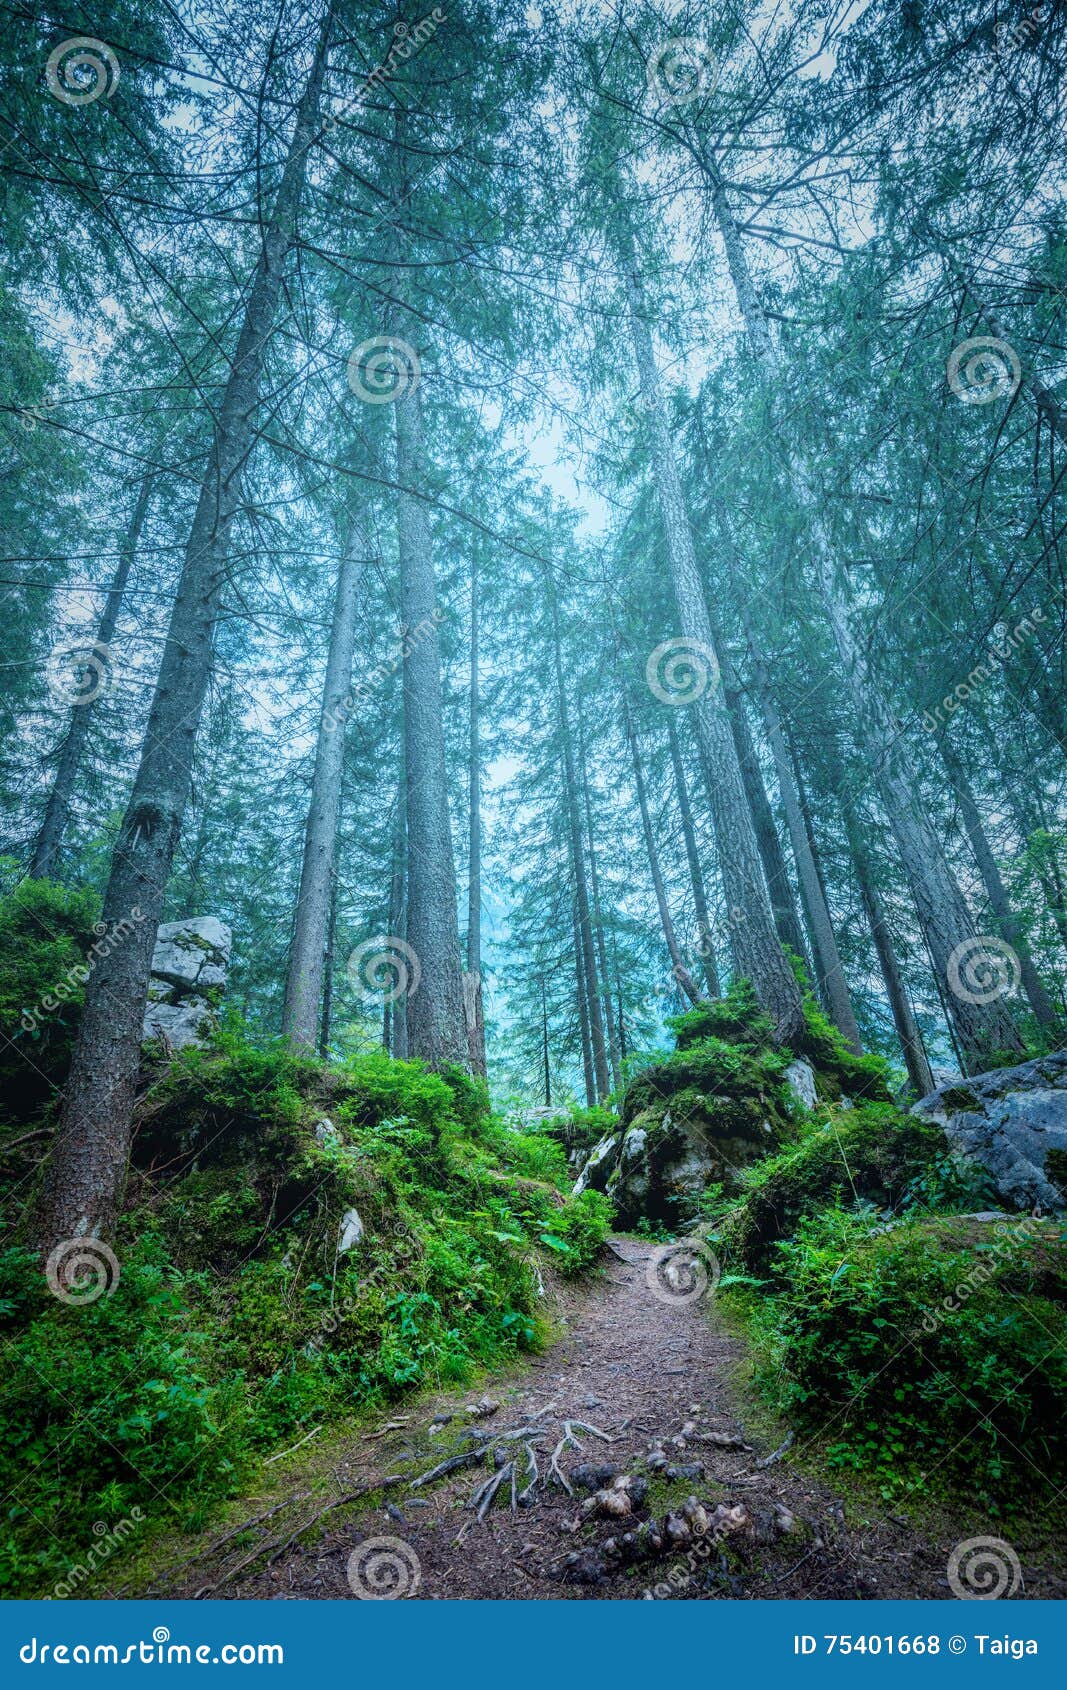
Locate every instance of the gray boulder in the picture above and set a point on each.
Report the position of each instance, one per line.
(1013, 1123)
(190, 961)
(192, 955)
(178, 1025)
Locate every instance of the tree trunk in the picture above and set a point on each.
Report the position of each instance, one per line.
(754, 943)
(87, 1171)
(1007, 925)
(696, 877)
(435, 1020)
(986, 1029)
(598, 923)
(911, 1043)
(47, 845)
(395, 1027)
(472, 980)
(327, 967)
(544, 1045)
(303, 984)
(582, 999)
(602, 1079)
(834, 984)
(678, 967)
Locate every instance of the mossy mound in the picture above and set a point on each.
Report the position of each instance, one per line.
(298, 1241)
(936, 1346)
(721, 1101)
(871, 1156)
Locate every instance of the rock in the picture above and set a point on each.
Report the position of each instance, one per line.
(192, 954)
(350, 1233)
(1011, 1122)
(800, 1078)
(325, 1131)
(601, 1162)
(686, 1470)
(588, 1476)
(190, 959)
(179, 1025)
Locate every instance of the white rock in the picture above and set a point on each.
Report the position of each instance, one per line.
(193, 953)
(800, 1078)
(325, 1131)
(190, 1022)
(595, 1173)
(351, 1231)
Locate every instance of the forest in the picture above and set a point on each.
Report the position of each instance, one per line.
(533, 783)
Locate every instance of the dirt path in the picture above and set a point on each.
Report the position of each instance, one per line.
(638, 1368)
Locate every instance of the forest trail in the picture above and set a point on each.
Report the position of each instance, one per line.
(638, 1369)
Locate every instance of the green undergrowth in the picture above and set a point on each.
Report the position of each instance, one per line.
(920, 1345)
(234, 1326)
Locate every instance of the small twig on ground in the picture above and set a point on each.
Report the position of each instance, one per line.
(390, 1426)
(776, 1454)
(283, 1453)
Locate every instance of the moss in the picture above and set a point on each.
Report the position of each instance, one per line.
(234, 1323)
(872, 1156)
(935, 1347)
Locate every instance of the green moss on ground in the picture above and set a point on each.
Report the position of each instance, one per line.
(234, 1325)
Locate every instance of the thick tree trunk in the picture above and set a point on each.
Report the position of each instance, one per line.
(435, 1019)
(1007, 924)
(472, 980)
(678, 966)
(601, 1077)
(754, 942)
(303, 984)
(985, 1026)
(696, 875)
(49, 841)
(88, 1166)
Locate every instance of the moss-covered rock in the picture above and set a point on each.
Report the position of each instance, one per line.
(871, 1157)
(725, 1098)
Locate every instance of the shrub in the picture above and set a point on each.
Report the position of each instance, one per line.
(937, 1344)
(45, 936)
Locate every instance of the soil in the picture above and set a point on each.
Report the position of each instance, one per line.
(638, 1369)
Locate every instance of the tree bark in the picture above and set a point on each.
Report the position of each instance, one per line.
(303, 984)
(544, 1045)
(582, 999)
(696, 875)
(325, 1024)
(436, 1028)
(754, 942)
(678, 967)
(87, 1170)
(49, 840)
